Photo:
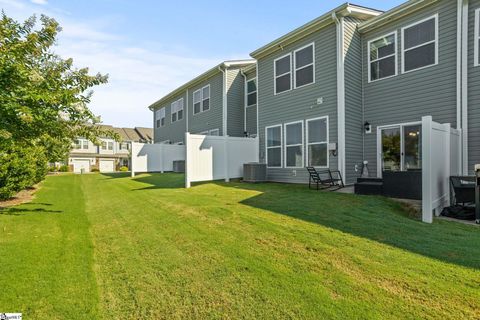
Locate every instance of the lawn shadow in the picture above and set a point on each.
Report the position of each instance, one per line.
(371, 217)
(116, 175)
(21, 211)
(161, 181)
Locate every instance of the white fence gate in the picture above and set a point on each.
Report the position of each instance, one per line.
(441, 152)
(214, 157)
(155, 157)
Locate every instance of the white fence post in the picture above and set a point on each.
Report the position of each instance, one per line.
(132, 162)
(225, 158)
(162, 159)
(188, 158)
(427, 209)
(448, 133)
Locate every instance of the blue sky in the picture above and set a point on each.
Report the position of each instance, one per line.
(149, 48)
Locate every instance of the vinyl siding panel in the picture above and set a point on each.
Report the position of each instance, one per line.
(213, 118)
(408, 97)
(175, 132)
(300, 104)
(235, 101)
(473, 94)
(251, 112)
(353, 101)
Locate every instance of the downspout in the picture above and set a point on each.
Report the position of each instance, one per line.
(465, 86)
(244, 100)
(224, 100)
(459, 62)
(186, 112)
(340, 93)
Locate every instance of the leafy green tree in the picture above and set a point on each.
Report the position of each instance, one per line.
(43, 98)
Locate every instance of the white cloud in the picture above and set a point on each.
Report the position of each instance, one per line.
(139, 74)
(40, 2)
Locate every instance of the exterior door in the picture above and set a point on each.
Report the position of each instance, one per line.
(400, 148)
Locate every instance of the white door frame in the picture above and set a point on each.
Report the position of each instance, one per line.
(401, 126)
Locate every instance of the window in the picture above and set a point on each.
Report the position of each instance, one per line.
(201, 100)
(107, 145)
(177, 110)
(124, 146)
(274, 146)
(419, 45)
(251, 92)
(382, 56)
(80, 144)
(476, 45)
(317, 142)
(294, 145)
(304, 66)
(283, 74)
(214, 132)
(160, 117)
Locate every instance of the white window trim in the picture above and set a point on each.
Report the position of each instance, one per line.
(202, 98)
(293, 145)
(275, 76)
(435, 16)
(476, 53)
(370, 62)
(247, 93)
(177, 111)
(307, 144)
(305, 66)
(160, 117)
(280, 146)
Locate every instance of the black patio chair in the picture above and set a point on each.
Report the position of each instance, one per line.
(325, 178)
(463, 190)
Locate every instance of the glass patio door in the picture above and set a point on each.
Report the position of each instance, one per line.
(401, 148)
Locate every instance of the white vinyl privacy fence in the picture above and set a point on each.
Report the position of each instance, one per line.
(441, 152)
(216, 158)
(155, 157)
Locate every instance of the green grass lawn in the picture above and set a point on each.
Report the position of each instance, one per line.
(112, 247)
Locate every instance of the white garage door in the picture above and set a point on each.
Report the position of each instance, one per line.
(107, 165)
(79, 164)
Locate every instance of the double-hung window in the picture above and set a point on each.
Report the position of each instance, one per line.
(107, 145)
(317, 142)
(476, 44)
(420, 44)
(382, 56)
(274, 146)
(124, 145)
(160, 117)
(294, 144)
(283, 74)
(81, 144)
(304, 66)
(201, 100)
(177, 110)
(251, 92)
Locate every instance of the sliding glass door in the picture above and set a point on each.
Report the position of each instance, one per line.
(401, 148)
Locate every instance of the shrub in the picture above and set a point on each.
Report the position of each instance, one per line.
(95, 170)
(123, 169)
(20, 167)
(63, 168)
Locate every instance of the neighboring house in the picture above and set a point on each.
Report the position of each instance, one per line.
(211, 104)
(110, 155)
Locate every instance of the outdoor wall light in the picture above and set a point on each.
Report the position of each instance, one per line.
(368, 127)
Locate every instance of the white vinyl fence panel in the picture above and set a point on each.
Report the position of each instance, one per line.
(441, 152)
(155, 157)
(214, 157)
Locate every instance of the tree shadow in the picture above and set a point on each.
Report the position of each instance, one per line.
(372, 217)
(161, 181)
(21, 211)
(116, 175)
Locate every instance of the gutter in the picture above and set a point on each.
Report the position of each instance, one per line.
(465, 86)
(244, 100)
(340, 93)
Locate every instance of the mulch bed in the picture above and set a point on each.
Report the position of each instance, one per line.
(23, 196)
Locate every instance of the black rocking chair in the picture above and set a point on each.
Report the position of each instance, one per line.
(325, 178)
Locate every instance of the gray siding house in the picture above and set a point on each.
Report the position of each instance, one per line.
(210, 104)
(309, 89)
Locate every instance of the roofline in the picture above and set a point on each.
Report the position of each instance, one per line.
(394, 14)
(345, 9)
(203, 76)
